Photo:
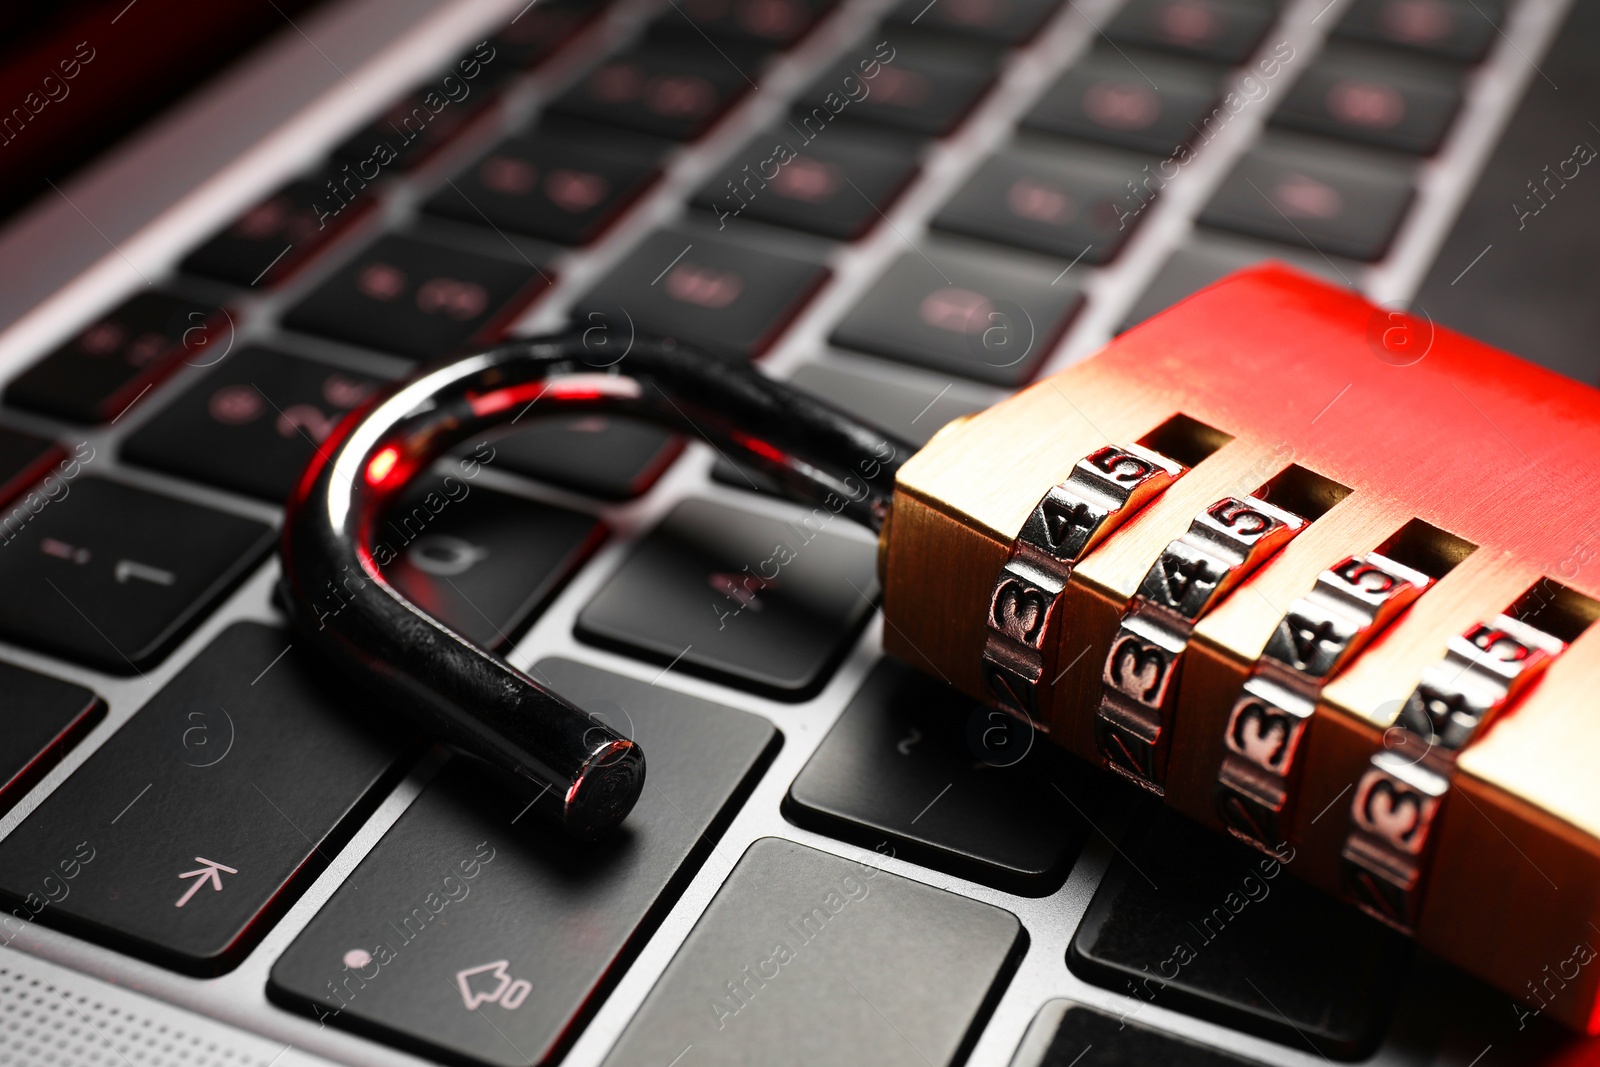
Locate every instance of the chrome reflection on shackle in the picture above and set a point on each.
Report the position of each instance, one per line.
(584, 775)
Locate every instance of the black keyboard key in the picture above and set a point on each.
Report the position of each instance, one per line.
(1004, 22)
(1069, 206)
(924, 86)
(1333, 206)
(748, 600)
(775, 24)
(44, 718)
(253, 424)
(990, 317)
(1204, 260)
(810, 958)
(838, 185)
(200, 820)
(481, 562)
(537, 33)
(419, 299)
(281, 234)
(1068, 1035)
(660, 88)
(423, 121)
(1107, 99)
(613, 459)
(1452, 29)
(730, 299)
(913, 409)
(1226, 31)
(103, 371)
(25, 459)
(913, 762)
(1373, 100)
(493, 936)
(1234, 928)
(113, 576)
(641, 148)
(547, 187)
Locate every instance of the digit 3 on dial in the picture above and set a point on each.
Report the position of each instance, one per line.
(1104, 489)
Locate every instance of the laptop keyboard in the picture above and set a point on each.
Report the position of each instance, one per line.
(550, 187)
(281, 234)
(483, 562)
(49, 717)
(1066, 1034)
(490, 195)
(1310, 197)
(939, 311)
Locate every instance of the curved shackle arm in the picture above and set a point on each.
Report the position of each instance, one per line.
(585, 775)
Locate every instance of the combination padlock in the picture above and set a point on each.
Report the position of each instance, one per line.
(1334, 604)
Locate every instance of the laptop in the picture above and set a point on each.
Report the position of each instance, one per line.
(225, 230)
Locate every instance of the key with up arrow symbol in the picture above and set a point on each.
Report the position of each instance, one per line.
(210, 871)
(158, 808)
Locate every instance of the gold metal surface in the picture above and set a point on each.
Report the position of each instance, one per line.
(1469, 440)
(1525, 847)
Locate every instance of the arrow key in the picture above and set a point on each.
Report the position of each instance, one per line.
(208, 873)
(184, 836)
(472, 934)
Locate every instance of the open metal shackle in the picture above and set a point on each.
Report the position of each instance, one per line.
(584, 775)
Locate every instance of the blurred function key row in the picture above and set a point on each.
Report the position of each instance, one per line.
(1330, 183)
(1053, 198)
(419, 298)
